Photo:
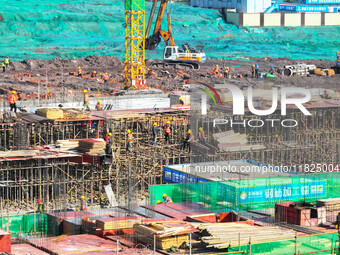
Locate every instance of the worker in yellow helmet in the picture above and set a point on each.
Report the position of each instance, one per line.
(106, 77)
(154, 133)
(82, 203)
(7, 62)
(167, 132)
(217, 71)
(167, 199)
(86, 101)
(129, 141)
(108, 141)
(181, 102)
(98, 106)
(12, 101)
(188, 139)
(226, 72)
(201, 136)
(159, 202)
(80, 72)
(94, 73)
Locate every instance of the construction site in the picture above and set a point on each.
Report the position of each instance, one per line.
(189, 152)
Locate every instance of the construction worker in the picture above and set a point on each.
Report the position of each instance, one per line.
(201, 136)
(98, 106)
(154, 133)
(337, 225)
(181, 102)
(167, 199)
(12, 101)
(80, 72)
(94, 73)
(3, 67)
(159, 202)
(86, 100)
(256, 71)
(252, 71)
(129, 141)
(272, 70)
(41, 206)
(189, 138)
(106, 77)
(82, 203)
(167, 131)
(217, 71)
(108, 140)
(150, 72)
(7, 62)
(226, 72)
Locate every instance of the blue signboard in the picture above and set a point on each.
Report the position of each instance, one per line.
(174, 176)
(322, 1)
(281, 192)
(312, 9)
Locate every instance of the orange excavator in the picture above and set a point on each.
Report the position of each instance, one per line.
(172, 55)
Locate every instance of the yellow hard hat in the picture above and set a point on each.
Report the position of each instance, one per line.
(82, 197)
(228, 67)
(189, 131)
(129, 131)
(253, 65)
(78, 67)
(155, 124)
(110, 134)
(105, 73)
(168, 122)
(98, 101)
(149, 69)
(180, 98)
(14, 92)
(164, 195)
(159, 201)
(216, 65)
(200, 128)
(84, 91)
(276, 135)
(94, 72)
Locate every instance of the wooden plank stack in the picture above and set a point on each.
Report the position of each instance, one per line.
(117, 222)
(223, 235)
(168, 234)
(51, 113)
(18, 153)
(66, 145)
(92, 146)
(75, 114)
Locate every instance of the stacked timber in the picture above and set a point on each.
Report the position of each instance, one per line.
(117, 223)
(75, 114)
(51, 113)
(66, 145)
(231, 141)
(224, 235)
(18, 153)
(92, 146)
(167, 234)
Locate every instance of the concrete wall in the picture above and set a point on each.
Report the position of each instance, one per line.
(283, 19)
(247, 6)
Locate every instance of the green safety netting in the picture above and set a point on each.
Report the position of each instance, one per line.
(71, 29)
(24, 225)
(252, 194)
(313, 244)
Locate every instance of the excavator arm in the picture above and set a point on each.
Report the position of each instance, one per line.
(152, 42)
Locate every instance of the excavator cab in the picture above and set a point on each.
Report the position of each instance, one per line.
(170, 53)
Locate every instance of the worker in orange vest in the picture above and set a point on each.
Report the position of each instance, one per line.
(82, 203)
(129, 141)
(252, 71)
(94, 73)
(167, 199)
(168, 131)
(80, 72)
(98, 106)
(106, 77)
(86, 100)
(217, 71)
(12, 101)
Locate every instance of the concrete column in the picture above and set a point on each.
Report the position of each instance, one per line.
(282, 19)
(303, 19)
(240, 19)
(261, 19)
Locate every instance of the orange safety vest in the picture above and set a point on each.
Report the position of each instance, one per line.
(80, 71)
(106, 77)
(107, 139)
(99, 106)
(167, 129)
(86, 98)
(130, 137)
(11, 99)
(216, 70)
(168, 200)
(201, 135)
(252, 69)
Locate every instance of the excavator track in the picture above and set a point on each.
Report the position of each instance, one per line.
(176, 65)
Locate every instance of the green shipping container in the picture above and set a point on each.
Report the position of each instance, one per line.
(134, 5)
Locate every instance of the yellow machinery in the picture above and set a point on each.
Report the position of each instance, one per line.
(134, 43)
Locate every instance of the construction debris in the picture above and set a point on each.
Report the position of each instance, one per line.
(51, 113)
